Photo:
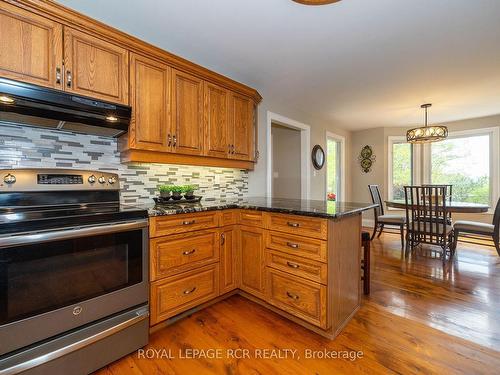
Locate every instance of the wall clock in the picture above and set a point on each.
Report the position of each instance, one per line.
(366, 159)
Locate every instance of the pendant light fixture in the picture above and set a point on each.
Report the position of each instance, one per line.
(427, 134)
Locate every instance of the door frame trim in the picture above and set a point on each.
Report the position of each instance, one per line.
(341, 139)
(305, 142)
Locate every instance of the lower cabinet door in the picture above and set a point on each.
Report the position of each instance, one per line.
(173, 295)
(302, 298)
(253, 263)
(229, 260)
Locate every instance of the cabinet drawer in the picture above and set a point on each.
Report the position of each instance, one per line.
(251, 217)
(228, 217)
(302, 298)
(173, 224)
(296, 245)
(182, 252)
(308, 269)
(179, 293)
(301, 225)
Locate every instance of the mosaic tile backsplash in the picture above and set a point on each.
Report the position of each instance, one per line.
(27, 147)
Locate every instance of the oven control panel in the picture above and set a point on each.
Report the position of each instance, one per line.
(60, 179)
(14, 180)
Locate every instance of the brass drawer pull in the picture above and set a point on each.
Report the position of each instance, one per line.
(189, 291)
(293, 225)
(292, 296)
(58, 75)
(169, 137)
(222, 239)
(188, 252)
(69, 78)
(188, 222)
(292, 265)
(292, 245)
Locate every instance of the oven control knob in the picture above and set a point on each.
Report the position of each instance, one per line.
(102, 180)
(9, 179)
(112, 180)
(92, 179)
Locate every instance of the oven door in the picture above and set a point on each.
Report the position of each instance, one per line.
(52, 282)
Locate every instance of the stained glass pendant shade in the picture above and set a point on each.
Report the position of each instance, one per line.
(427, 133)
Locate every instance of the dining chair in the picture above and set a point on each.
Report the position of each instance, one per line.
(484, 229)
(449, 190)
(427, 218)
(448, 196)
(381, 219)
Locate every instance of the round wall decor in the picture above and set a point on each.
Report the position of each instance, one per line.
(366, 159)
(318, 157)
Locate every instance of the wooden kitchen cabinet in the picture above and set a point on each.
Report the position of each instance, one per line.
(150, 100)
(216, 121)
(95, 67)
(175, 294)
(229, 260)
(187, 114)
(242, 131)
(31, 47)
(253, 264)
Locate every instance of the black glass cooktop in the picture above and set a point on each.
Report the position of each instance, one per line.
(16, 219)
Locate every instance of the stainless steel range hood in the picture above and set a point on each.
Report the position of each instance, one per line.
(27, 104)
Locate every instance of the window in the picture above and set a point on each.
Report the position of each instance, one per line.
(468, 160)
(334, 165)
(400, 166)
(465, 162)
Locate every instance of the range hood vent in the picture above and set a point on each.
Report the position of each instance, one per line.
(31, 105)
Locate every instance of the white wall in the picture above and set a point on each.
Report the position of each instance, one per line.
(257, 178)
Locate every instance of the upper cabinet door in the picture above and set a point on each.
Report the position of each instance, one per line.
(216, 121)
(187, 113)
(242, 128)
(30, 47)
(150, 101)
(94, 67)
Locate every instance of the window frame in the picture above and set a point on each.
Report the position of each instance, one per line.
(493, 133)
(416, 155)
(342, 163)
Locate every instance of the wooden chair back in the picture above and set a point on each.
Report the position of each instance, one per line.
(449, 190)
(377, 199)
(426, 213)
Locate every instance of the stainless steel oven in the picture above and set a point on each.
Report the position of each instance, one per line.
(64, 288)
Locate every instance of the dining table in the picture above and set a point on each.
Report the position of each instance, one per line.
(454, 207)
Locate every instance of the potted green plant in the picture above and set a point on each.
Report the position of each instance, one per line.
(165, 191)
(189, 191)
(177, 192)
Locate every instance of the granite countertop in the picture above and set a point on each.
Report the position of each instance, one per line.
(315, 208)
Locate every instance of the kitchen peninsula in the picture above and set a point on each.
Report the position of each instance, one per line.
(299, 258)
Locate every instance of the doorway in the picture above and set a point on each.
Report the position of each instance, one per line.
(286, 162)
(288, 167)
(335, 165)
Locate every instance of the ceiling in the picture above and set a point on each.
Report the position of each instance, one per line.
(356, 63)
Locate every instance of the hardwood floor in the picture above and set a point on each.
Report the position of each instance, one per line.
(421, 317)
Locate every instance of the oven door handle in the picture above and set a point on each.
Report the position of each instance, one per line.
(70, 233)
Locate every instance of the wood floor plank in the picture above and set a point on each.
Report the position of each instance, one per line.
(422, 317)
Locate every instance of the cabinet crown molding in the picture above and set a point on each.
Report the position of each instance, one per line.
(78, 21)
